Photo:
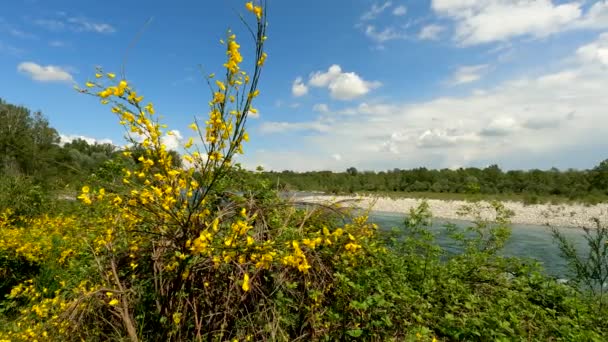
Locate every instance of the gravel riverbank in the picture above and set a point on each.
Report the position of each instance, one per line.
(563, 215)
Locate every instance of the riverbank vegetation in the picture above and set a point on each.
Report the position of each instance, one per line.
(491, 183)
(157, 249)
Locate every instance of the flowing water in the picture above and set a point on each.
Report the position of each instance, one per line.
(527, 241)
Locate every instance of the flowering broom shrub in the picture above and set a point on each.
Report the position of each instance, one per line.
(173, 255)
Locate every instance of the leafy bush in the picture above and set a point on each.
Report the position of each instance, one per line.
(22, 196)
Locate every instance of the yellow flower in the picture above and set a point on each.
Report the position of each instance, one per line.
(257, 10)
(194, 127)
(85, 189)
(246, 283)
(113, 302)
(90, 84)
(218, 97)
(221, 85)
(98, 75)
(177, 317)
(249, 6)
(189, 143)
(150, 108)
(263, 58)
(111, 75)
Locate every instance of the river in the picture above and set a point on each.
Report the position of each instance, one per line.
(527, 241)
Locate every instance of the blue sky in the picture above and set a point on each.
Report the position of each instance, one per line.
(371, 84)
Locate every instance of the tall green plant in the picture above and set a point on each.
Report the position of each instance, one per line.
(588, 271)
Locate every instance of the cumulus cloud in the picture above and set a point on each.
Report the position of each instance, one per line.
(500, 126)
(528, 121)
(468, 74)
(595, 52)
(376, 10)
(484, 21)
(172, 141)
(434, 138)
(283, 127)
(543, 123)
(68, 138)
(342, 85)
(298, 88)
(430, 32)
(399, 10)
(44, 73)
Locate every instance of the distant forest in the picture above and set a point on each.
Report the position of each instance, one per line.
(571, 184)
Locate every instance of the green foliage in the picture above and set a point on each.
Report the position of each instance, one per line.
(531, 187)
(589, 272)
(22, 196)
(418, 289)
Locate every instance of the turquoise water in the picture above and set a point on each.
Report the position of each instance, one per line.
(527, 241)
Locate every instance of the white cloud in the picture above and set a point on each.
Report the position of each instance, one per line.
(430, 32)
(172, 141)
(48, 73)
(75, 24)
(84, 24)
(21, 34)
(298, 88)
(337, 156)
(596, 51)
(375, 11)
(389, 33)
(57, 43)
(323, 79)
(483, 21)
(468, 74)
(283, 127)
(434, 138)
(399, 10)
(342, 85)
(537, 120)
(596, 17)
(67, 138)
(500, 126)
(321, 108)
(51, 24)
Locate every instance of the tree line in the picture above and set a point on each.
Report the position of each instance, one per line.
(571, 183)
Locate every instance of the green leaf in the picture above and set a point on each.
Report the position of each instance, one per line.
(355, 333)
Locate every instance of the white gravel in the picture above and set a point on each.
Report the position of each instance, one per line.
(563, 215)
